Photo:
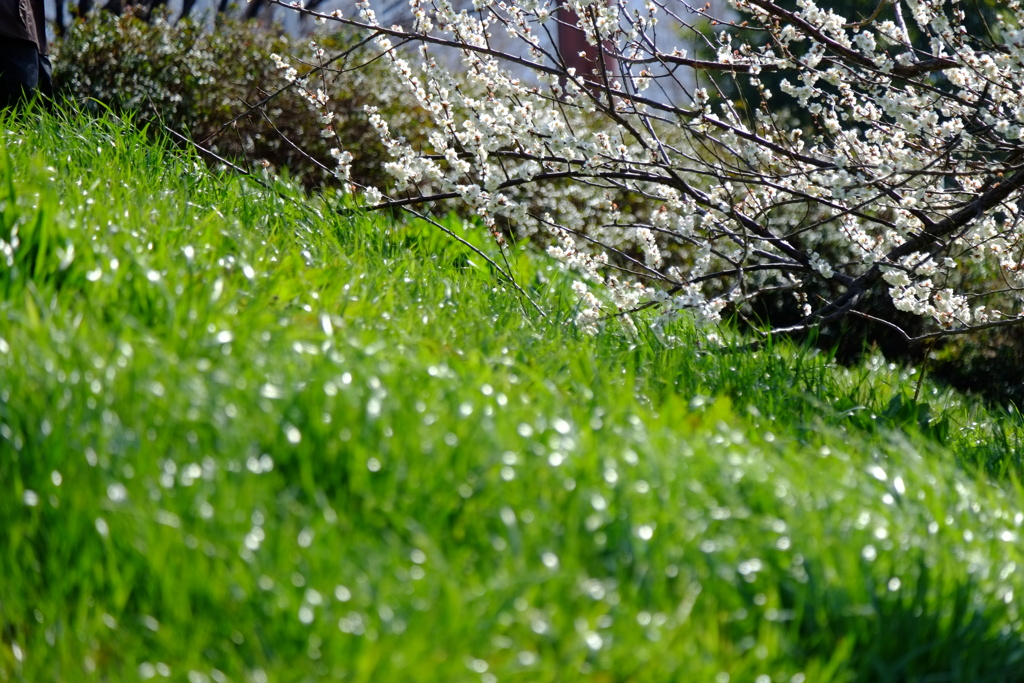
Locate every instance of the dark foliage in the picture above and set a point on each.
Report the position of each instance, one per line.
(218, 86)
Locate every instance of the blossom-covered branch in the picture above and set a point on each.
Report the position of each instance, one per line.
(886, 156)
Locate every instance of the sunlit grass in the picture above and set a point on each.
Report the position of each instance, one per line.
(244, 439)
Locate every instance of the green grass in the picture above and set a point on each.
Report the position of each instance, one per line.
(244, 439)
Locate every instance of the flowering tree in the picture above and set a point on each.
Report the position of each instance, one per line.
(671, 180)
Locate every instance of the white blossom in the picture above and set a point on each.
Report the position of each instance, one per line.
(693, 201)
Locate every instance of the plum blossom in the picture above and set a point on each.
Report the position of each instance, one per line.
(888, 160)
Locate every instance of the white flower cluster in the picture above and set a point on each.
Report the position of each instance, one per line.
(290, 74)
(588, 313)
(319, 101)
(905, 161)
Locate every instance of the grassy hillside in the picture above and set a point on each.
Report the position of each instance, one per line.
(244, 439)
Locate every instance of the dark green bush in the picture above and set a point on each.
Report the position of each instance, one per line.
(196, 79)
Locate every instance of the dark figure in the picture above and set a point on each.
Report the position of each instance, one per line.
(24, 67)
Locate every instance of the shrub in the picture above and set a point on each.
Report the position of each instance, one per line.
(197, 79)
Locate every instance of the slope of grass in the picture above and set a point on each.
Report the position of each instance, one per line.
(243, 439)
